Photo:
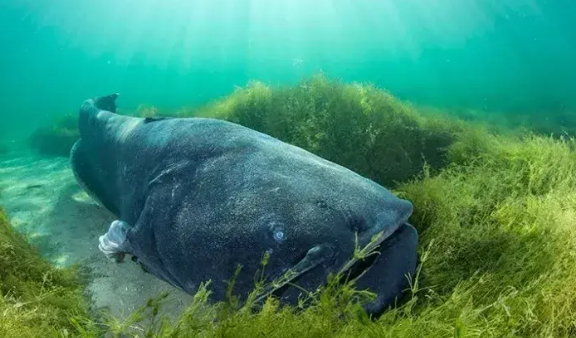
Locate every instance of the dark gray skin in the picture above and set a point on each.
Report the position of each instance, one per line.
(201, 196)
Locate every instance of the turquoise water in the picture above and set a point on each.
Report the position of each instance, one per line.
(497, 55)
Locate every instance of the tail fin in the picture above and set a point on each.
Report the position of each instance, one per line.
(107, 102)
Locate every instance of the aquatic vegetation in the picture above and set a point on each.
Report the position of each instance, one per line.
(146, 111)
(344, 123)
(503, 236)
(498, 259)
(546, 123)
(57, 139)
(495, 213)
(36, 299)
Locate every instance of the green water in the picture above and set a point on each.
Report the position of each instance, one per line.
(516, 56)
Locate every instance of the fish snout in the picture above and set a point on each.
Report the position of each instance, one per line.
(384, 222)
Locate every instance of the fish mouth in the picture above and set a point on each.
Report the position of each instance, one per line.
(359, 268)
(364, 258)
(387, 272)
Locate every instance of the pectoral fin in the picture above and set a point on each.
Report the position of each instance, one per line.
(113, 243)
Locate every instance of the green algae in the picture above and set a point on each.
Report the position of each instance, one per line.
(495, 211)
(344, 123)
(36, 299)
(498, 259)
(56, 139)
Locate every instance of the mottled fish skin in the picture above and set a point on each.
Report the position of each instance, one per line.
(204, 195)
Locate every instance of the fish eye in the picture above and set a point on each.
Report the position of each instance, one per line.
(279, 235)
(278, 232)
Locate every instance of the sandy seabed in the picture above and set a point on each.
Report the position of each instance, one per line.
(43, 200)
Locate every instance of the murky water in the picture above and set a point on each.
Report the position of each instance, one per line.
(515, 56)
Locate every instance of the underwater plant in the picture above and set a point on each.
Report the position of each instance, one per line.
(494, 209)
(36, 299)
(497, 259)
(146, 111)
(57, 139)
(344, 123)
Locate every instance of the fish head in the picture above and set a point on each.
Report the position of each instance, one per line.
(363, 235)
(307, 217)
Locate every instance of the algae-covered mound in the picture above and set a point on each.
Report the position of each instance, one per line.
(57, 139)
(356, 125)
(502, 262)
(36, 299)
